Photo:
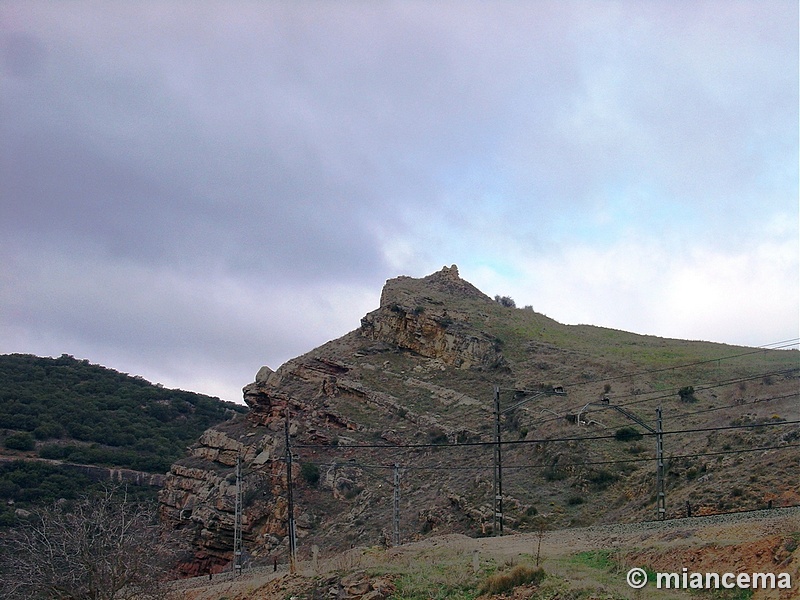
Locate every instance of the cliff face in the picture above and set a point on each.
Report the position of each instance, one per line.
(419, 318)
(380, 404)
(346, 392)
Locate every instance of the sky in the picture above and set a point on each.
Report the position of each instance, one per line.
(191, 190)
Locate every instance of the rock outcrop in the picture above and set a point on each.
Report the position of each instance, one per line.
(419, 318)
(336, 401)
(378, 406)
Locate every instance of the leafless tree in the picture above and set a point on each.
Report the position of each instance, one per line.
(97, 548)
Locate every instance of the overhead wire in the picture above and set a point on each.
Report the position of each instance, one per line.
(661, 396)
(418, 467)
(789, 343)
(431, 445)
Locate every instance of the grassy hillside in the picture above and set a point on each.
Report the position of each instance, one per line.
(731, 415)
(68, 410)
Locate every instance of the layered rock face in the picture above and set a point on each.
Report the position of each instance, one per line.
(347, 392)
(419, 319)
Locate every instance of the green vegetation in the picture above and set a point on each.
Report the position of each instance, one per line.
(310, 473)
(72, 411)
(687, 394)
(596, 559)
(434, 577)
(627, 434)
(24, 484)
(87, 413)
(21, 440)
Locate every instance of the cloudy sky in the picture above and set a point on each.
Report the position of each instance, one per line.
(190, 190)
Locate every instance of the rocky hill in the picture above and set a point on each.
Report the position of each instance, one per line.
(409, 397)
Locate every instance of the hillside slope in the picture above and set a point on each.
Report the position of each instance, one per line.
(409, 396)
(59, 412)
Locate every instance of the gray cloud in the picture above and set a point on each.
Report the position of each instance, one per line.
(153, 154)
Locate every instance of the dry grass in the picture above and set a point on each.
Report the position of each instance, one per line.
(505, 581)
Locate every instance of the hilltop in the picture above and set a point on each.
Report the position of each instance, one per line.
(410, 394)
(66, 422)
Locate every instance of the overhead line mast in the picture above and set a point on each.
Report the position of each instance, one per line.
(290, 498)
(499, 518)
(237, 523)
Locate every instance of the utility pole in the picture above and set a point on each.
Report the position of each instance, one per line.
(290, 497)
(497, 523)
(396, 519)
(237, 522)
(660, 485)
(661, 495)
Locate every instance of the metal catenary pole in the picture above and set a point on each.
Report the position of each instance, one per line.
(661, 494)
(661, 491)
(237, 523)
(290, 498)
(396, 503)
(497, 524)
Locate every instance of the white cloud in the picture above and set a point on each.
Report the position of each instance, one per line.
(748, 296)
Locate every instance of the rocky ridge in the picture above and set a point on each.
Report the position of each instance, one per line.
(415, 379)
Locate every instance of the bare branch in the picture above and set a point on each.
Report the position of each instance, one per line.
(102, 548)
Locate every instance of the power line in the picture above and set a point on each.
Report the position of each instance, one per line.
(759, 350)
(532, 441)
(736, 405)
(560, 464)
(789, 343)
(701, 388)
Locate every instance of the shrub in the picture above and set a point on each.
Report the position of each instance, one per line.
(575, 500)
(48, 430)
(553, 473)
(20, 441)
(602, 478)
(310, 473)
(687, 394)
(505, 581)
(627, 434)
(445, 321)
(506, 301)
(437, 436)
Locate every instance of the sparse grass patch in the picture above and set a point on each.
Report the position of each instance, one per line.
(505, 581)
(435, 577)
(596, 559)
